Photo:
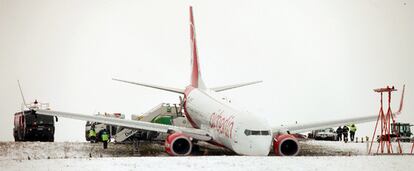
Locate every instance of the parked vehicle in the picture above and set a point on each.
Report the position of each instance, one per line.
(325, 134)
(29, 126)
(399, 130)
(99, 127)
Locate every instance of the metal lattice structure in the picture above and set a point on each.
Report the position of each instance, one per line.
(384, 119)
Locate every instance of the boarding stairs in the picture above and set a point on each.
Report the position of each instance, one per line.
(159, 110)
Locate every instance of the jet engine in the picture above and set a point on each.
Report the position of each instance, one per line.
(178, 144)
(285, 145)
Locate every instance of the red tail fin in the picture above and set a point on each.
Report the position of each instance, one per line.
(195, 72)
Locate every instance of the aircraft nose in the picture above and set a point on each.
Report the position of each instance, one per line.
(254, 138)
(261, 147)
(255, 146)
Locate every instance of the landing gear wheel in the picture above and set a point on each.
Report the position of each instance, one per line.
(196, 150)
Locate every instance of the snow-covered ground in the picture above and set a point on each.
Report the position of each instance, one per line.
(315, 155)
(340, 148)
(218, 163)
(67, 150)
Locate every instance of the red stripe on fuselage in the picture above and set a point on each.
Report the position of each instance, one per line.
(195, 70)
(187, 91)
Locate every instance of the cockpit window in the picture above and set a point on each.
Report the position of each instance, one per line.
(265, 132)
(256, 132)
(247, 132)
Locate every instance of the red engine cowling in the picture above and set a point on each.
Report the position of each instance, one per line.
(178, 144)
(285, 145)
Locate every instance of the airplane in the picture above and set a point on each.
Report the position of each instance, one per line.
(215, 120)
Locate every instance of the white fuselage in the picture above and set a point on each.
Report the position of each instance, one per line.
(240, 131)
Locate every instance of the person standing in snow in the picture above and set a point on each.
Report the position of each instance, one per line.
(339, 133)
(105, 138)
(345, 130)
(352, 130)
(92, 135)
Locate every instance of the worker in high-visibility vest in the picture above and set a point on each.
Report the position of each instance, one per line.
(352, 130)
(105, 138)
(92, 135)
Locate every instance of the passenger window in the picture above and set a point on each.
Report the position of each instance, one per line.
(265, 133)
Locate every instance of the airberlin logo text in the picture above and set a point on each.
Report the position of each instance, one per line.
(222, 124)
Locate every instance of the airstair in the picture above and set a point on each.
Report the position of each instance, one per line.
(124, 134)
(163, 109)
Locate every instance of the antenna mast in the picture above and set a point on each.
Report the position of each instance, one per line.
(21, 92)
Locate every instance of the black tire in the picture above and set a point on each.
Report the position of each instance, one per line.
(15, 135)
(92, 139)
(196, 150)
(87, 136)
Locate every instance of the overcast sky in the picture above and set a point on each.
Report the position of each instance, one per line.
(319, 60)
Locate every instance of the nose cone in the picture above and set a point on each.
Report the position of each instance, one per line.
(253, 140)
(254, 137)
(260, 146)
(254, 146)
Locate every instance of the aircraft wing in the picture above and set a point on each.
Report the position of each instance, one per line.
(194, 133)
(298, 128)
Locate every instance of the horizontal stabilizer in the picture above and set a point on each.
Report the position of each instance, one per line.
(228, 87)
(170, 89)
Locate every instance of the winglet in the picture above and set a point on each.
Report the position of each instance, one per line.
(402, 101)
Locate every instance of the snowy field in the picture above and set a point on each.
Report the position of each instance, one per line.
(234, 163)
(315, 155)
